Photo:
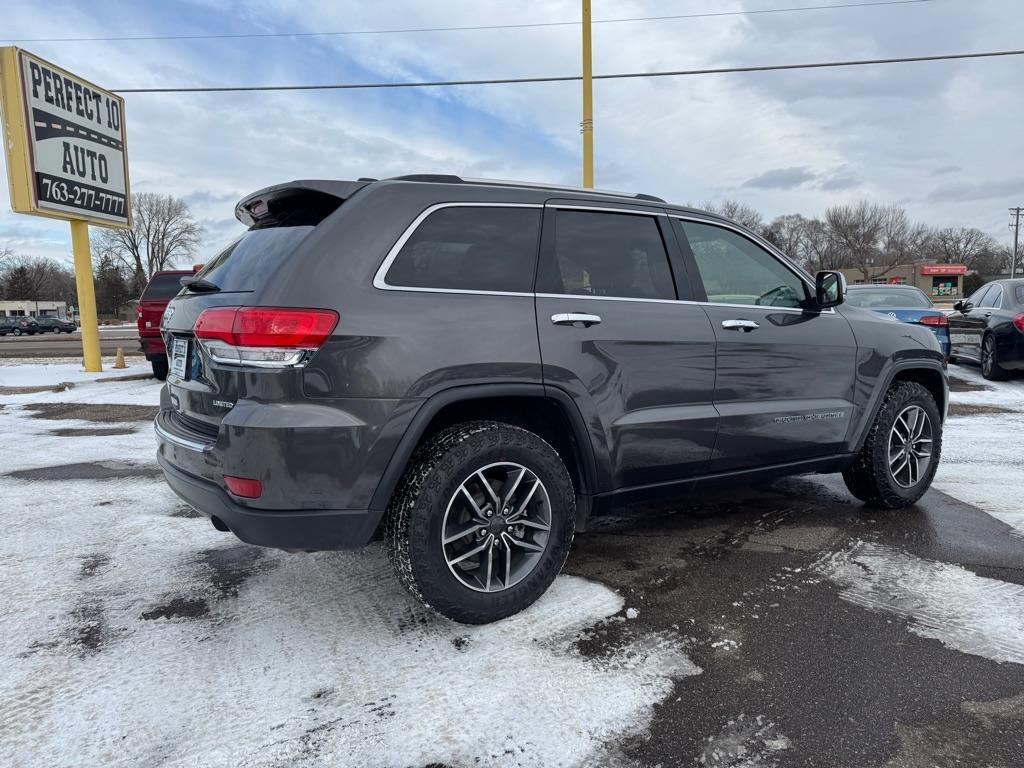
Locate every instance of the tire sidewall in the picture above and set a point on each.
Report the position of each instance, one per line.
(919, 396)
(437, 584)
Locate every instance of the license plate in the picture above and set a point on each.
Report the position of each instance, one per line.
(179, 356)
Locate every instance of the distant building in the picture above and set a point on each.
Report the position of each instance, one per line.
(26, 308)
(937, 280)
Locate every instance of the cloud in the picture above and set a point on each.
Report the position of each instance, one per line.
(781, 178)
(1011, 189)
(942, 170)
(784, 142)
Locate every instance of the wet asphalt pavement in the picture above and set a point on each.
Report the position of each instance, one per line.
(781, 653)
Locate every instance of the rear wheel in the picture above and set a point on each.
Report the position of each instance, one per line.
(898, 460)
(990, 367)
(159, 367)
(16, 331)
(482, 521)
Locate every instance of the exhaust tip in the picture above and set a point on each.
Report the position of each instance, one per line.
(219, 524)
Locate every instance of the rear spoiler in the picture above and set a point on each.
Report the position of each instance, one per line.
(272, 200)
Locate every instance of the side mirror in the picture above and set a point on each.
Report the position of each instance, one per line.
(959, 306)
(829, 289)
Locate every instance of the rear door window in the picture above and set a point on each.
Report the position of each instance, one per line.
(618, 255)
(470, 248)
(162, 287)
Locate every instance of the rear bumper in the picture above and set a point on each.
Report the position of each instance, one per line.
(286, 529)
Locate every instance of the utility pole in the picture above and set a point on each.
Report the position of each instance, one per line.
(587, 124)
(1015, 212)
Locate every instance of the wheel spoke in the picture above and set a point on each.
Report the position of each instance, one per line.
(490, 565)
(476, 507)
(469, 553)
(533, 524)
(894, 459)
(529, 546)
(515, 484)
(526, 501)
(463, 532)
(901, 467)
(490, 491)
(508, 560)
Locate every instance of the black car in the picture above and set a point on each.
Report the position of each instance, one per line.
(18, 326)
(473, 370)
(988, 328)
(55, 325)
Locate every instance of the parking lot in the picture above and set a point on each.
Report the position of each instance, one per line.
(777, 625)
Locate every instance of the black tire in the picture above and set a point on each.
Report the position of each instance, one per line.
(869, 477)
(414, 523)
(16, 332)
(990, 367)
(159, 368)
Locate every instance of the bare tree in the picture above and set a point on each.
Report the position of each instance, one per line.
(857, 231)
(162, 233)
(967, 245)
(789, 233)
(36, 279)
(739, 212)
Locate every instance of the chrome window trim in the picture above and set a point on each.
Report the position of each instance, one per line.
(604, 209)
(763, 307)
(379, 278)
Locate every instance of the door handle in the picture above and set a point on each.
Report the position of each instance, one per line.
(744, 326)
(576, 319)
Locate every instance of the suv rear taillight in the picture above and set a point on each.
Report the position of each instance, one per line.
(940, 321)
(266, 337)
(1018, 322)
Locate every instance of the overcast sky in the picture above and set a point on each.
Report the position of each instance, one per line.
(943, 138)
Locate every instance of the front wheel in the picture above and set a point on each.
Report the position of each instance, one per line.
(899, 457)
(16, 331)
(482, 521)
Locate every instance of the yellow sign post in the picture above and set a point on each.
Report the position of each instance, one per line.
(587, 125)
(66, 159)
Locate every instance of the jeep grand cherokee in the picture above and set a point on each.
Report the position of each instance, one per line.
(475, 369)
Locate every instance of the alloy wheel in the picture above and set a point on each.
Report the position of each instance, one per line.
(910, 446)
(988, 356)
(496, 527)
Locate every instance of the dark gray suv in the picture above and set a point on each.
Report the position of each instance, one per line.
(475, 369)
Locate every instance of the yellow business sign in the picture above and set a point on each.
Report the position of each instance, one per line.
(65, 143)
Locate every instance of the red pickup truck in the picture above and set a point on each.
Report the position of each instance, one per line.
(162, 287)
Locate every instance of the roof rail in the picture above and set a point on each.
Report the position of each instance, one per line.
(442, 178)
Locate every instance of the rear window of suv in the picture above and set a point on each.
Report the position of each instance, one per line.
(470, 248)
(163, 287)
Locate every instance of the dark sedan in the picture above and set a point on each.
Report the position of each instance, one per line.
(55, 325)
(988, 328)
(904, 303)
(18, 326)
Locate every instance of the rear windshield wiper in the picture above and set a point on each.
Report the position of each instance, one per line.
(199, 285)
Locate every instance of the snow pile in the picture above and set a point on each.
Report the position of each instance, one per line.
(134, 633)
(981, 458)
(963, 611)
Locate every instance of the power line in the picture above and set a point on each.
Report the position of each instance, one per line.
(405, 30)
(572, 78)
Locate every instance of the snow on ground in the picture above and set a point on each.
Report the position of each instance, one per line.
(982, 463)
(136, 634)
(51, 373)
(945, 602)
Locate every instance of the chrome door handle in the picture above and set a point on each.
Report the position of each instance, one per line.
(744, 326)
(575, 318)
